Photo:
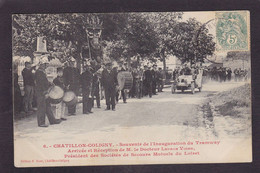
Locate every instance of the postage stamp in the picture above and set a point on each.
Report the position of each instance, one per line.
(232, 30)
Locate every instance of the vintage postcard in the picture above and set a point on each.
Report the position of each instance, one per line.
(131, 88)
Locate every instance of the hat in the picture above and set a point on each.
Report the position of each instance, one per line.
(71, 59)
(108, 63)
(27, 62)
(107, 60)
(87, 63)
(92, 62)
(44, 60)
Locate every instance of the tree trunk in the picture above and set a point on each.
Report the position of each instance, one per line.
(128, 62)
(164, 64)
(78, 61)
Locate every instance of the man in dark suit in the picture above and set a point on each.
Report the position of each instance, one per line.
(121, 68)
(160, 80)
(154, 79)
(147, 81)
(72, 82)
(28, 80)
(17, 92)
(60, 107)
(109, 82)
(43, 103)
(96, 70)
(96, 89)
(229, 73)
(86, 84)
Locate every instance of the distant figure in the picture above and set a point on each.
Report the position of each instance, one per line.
(123, 94)
(139, 82)
(229, 74)
(60, 107)
(17, 93)
(96, 89)
(154, 79)
(43, 103)
(175, 74)
(109, 82)
(147, 75)
(132, 92)
(245, 75)
(236, 73)
(28, 81)
(96, 70)
(186, 70)
(160, 80)
(86, 84)
(71, 80)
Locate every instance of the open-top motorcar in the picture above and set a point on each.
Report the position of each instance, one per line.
(188, 82)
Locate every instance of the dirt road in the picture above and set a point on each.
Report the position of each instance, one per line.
(163, 118)
(179, 111)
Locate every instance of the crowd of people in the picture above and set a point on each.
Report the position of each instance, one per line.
(223, 74)
(94, 83)
(97, 82)
(218, 74)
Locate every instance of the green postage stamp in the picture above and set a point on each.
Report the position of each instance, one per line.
(232, 30)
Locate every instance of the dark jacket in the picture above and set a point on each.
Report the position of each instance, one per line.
(86, 79)
(109, 79)
(148, 76)
(58, 81)
(95, 85)
(71, 78)
(175, 74)
(28, 77)
(42, 83)
(159, 75)
(17, 89)
(153, 72)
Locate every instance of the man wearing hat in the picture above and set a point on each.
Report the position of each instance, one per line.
(96, 82)
(43, 104)
(28, 80)
(72, 81)
(60, 107)
(154, 78)
(160, 79)
(86, 79)
(109, 82)
(121, 68)
(147, 81)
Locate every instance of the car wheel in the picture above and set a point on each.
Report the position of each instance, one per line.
(173, 89)
(192, 88)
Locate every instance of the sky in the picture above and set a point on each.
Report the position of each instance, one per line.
(201, 16)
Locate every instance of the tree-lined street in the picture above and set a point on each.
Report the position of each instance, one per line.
(181, 112)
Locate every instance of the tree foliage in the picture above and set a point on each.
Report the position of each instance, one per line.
(136, 38)
(151, 36)
(191, 42)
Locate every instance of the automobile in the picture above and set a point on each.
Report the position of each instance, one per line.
(188, 82)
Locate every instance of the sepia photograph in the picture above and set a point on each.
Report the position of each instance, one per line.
(131, 88)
